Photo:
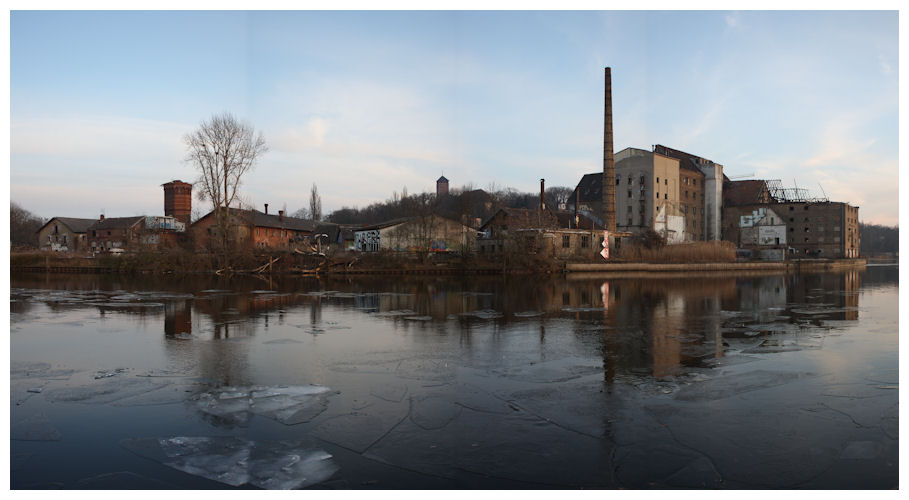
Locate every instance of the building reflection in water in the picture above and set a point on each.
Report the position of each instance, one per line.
(643, 326)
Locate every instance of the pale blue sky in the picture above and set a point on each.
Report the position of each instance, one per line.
(364, 103)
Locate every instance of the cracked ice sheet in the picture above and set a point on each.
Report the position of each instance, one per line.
(34, 428)
(498, 446)
(289, 405)
(725, 386)
(237, 461)
(109, 390)
(359, 430)
(750, 449)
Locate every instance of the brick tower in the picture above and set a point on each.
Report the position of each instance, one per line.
(441, 186)
(178, 200)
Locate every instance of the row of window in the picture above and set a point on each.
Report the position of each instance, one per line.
(566, 241)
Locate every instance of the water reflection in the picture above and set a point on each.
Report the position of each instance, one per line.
(458, 372)
(640, 326)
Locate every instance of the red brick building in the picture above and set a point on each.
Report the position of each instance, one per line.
(255, 229)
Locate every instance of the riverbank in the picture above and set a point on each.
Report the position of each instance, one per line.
(787, 266)
(390, 265)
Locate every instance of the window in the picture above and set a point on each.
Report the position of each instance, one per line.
(666, 196)
(686, 193)
(791, 208)
(665, 182)
(629, 181)
(629, 194)
(642, 180)
(771, 221)
(566, 241)
(585, 241)
(694, 210)
(694, 182)
(617, 181)
(658, 196)
(658, 180)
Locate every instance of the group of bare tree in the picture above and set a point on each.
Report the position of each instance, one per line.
(23, 226)
(466, 205)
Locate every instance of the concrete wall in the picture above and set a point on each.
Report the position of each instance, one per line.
(638, 204)
(713, 200)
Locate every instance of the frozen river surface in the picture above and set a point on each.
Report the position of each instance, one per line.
(694, 382)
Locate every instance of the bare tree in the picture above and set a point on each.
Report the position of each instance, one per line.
(23, 226)
(223, 149)
(302, 213)
(315, 203)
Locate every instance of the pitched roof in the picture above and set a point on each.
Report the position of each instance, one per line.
(117, 222)
(259, 219)
(590, 187)
(74, 225)
(442, 179)
(687, 161)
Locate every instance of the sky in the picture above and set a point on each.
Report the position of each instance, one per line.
(365, 104)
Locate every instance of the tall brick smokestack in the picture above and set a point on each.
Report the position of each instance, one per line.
(542, 194)
(608, 159)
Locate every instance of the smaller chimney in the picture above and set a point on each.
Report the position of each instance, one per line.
(266, 209)
(281, 215)
(542, 194)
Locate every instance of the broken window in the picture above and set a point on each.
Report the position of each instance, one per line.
(585, 241)
(566, 241)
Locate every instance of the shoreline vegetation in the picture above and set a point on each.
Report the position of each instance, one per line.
(690, 258)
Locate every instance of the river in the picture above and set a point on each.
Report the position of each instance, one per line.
(691, 381)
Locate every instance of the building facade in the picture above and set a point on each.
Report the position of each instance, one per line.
(64, 234)
(431, 233)
(555, 233)
(254, 229)
(813, 229)
(674, 193)
(116, 234)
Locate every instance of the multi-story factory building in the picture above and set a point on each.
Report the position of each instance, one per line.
(671, 192)
(815, 227)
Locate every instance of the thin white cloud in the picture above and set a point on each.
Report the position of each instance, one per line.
(884, 63)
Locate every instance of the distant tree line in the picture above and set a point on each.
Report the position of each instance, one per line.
(23, 226)
(877, 239)
(467, 205)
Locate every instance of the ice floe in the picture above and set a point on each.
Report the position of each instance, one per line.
(287, 404)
